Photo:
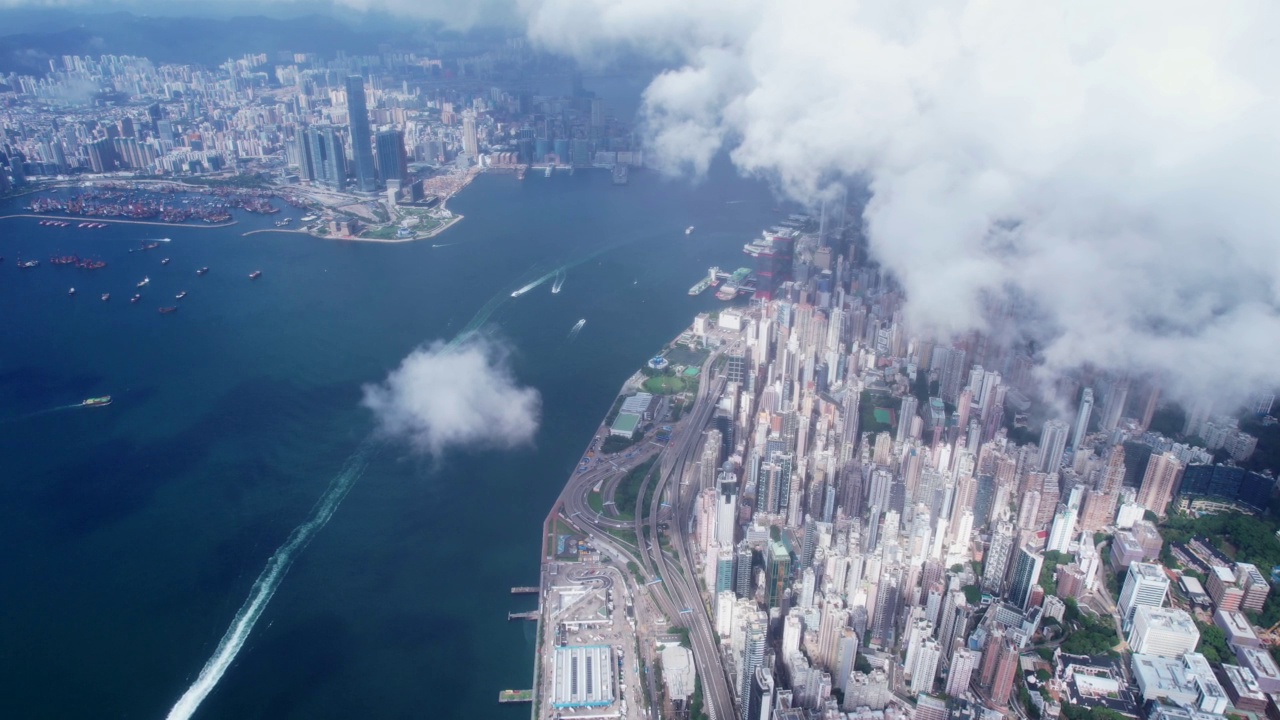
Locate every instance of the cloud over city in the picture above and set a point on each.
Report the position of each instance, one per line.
(462, 395)
(1100, 176)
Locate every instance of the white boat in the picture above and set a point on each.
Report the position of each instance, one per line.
(559, 283)
(688, 230)
(577, 328)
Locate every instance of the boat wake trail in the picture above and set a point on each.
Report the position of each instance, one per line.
(267, 583)
(46, 411)
(577, 328)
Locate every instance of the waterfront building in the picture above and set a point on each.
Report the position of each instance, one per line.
(393, 162)
(361, 137)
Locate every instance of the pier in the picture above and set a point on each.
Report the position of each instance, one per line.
(525, 590)
(531, 615)
(515, 696)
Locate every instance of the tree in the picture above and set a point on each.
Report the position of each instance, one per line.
(1213, 644)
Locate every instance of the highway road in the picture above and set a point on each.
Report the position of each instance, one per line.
(679, 590)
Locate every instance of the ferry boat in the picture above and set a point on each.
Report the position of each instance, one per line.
(180, 295)
(728, 292)
(106, 297)
(167, 310)
(103, 401)
(144, 282)
(135, 298)
(202, 271)
(688, 230)
(255, 274)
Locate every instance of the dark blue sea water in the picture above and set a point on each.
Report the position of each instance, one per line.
(131, 534)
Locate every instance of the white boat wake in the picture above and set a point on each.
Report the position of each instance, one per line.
(577, 328)
(559, 283)
(267, 583)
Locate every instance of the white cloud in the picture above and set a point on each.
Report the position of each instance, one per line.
(1114, 164)
(452, 396)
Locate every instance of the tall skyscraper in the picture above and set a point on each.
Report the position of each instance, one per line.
(361, 137)
(1082, 418)
(1026, 573)
(392, 160)
(752, 658)
(1146, 585)
(760, 701)
(777, 573)
(1006, 669)
(470, 142)
(997, 558)
(1053, 442)
(1158, 482)
(963, 663)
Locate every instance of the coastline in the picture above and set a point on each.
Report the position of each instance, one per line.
(346, 238)
(79, 219)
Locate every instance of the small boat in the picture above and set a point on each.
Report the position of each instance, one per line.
(688, 230)
(106, 297)
(72, 291)
(255, 274)
(167, 310)
(135, 298)
(202, 271)
(145, 281)
(103, 401)
(164, 261)
(28, 264)
(180, 295)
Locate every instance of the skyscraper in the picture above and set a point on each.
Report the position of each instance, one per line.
(392, 160)
(1082, 418)
(997, 559)
(1026, 573)
(752, 658)
(1157, 484)
(361, 138)
(470, 142)
(1145, 585)
(1053, 442)
(777, 572)
(963, 663)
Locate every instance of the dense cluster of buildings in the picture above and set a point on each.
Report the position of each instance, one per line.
(350, 123)
(874, 543)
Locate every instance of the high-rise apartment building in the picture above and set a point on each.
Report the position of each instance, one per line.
(1145, 585)
(1158, 482)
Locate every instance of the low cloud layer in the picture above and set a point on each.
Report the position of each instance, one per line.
(1109, 170)
(444, 397)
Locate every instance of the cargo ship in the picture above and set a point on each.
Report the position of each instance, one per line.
(144, 282)
(688, 230)
(255, 274)
(167, 310)
(28, 264)
(103, 401)
(202, 271)
(106, 297)
(705, 282)
(180, 295)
